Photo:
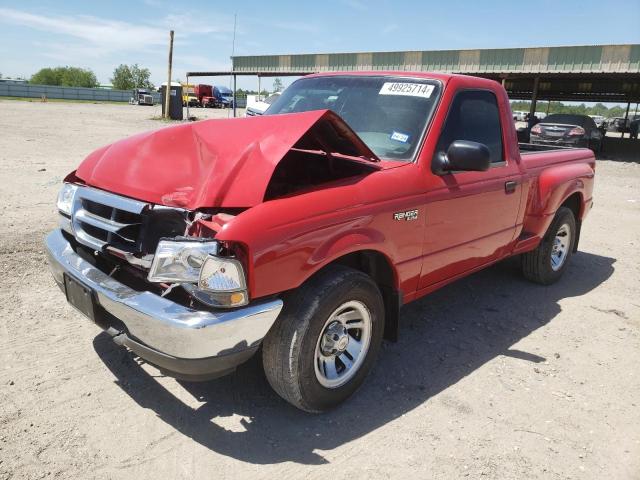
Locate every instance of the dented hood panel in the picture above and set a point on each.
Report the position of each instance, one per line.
(215, 163)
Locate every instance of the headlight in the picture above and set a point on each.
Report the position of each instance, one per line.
(180, 261)
(65, 198)
(215, 281)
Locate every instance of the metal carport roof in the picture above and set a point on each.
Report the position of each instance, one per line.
(609, 73)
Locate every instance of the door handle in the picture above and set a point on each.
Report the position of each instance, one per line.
(510, 187)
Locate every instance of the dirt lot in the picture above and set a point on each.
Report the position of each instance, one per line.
(493, 377)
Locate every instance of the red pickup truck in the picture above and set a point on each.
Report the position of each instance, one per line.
(299, 234)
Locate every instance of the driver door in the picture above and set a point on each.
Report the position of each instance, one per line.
(470, 216)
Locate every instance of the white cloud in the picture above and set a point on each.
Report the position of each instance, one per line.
(100, 44)
(110, 35)
(64, 51)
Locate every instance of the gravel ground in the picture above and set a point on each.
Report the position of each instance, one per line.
(493, 377)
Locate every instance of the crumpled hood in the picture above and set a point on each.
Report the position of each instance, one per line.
(215, 163)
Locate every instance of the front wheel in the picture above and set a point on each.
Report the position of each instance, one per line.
(326, 339)
(548, 261)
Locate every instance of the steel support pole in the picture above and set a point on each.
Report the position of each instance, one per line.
(187, 97)
(626, 119)
(234, 96)
(534, 100)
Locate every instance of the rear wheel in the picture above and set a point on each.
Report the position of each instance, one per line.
(548, 261)
(326, 339)
(595, 147)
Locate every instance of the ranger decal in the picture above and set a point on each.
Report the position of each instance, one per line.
(408, 215)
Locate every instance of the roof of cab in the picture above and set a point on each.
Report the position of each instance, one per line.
(388, 73)
(442, 77)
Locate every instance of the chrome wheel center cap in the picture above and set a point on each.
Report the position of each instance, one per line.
(335, 339)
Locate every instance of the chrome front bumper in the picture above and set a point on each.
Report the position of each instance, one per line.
(158, 324)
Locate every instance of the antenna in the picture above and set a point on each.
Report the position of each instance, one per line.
(233, 52)
(233, 43)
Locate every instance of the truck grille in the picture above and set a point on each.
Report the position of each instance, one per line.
(100, 218)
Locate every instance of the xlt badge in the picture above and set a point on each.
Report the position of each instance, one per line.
(408, 215)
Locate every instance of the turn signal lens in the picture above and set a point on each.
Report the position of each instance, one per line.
(236, 298)
(223, 283)
(222, 275)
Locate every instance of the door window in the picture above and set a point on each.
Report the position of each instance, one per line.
(473, 116)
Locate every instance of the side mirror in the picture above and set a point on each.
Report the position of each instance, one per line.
(463, 155)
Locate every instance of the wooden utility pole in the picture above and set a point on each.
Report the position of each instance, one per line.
(167, 92)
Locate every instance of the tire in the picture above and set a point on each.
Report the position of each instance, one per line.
(595, 147)
(294, 350)
(544, 265)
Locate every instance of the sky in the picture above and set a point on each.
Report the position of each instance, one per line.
(101, 35)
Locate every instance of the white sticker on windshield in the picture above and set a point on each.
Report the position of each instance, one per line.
(407, 89)
(400, 137)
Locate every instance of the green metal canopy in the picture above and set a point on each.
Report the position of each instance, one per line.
(609, 73)
(542, 60)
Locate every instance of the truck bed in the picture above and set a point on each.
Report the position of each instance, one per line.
(535, 157)
(528, 148)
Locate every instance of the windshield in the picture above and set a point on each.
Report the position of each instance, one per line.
(271, 99)
(389, 114)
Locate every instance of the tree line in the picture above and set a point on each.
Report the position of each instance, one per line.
(65, 77)
(582, 109)
(125, 77)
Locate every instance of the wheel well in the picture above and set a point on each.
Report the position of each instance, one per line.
(574, 203)
(378, 267)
